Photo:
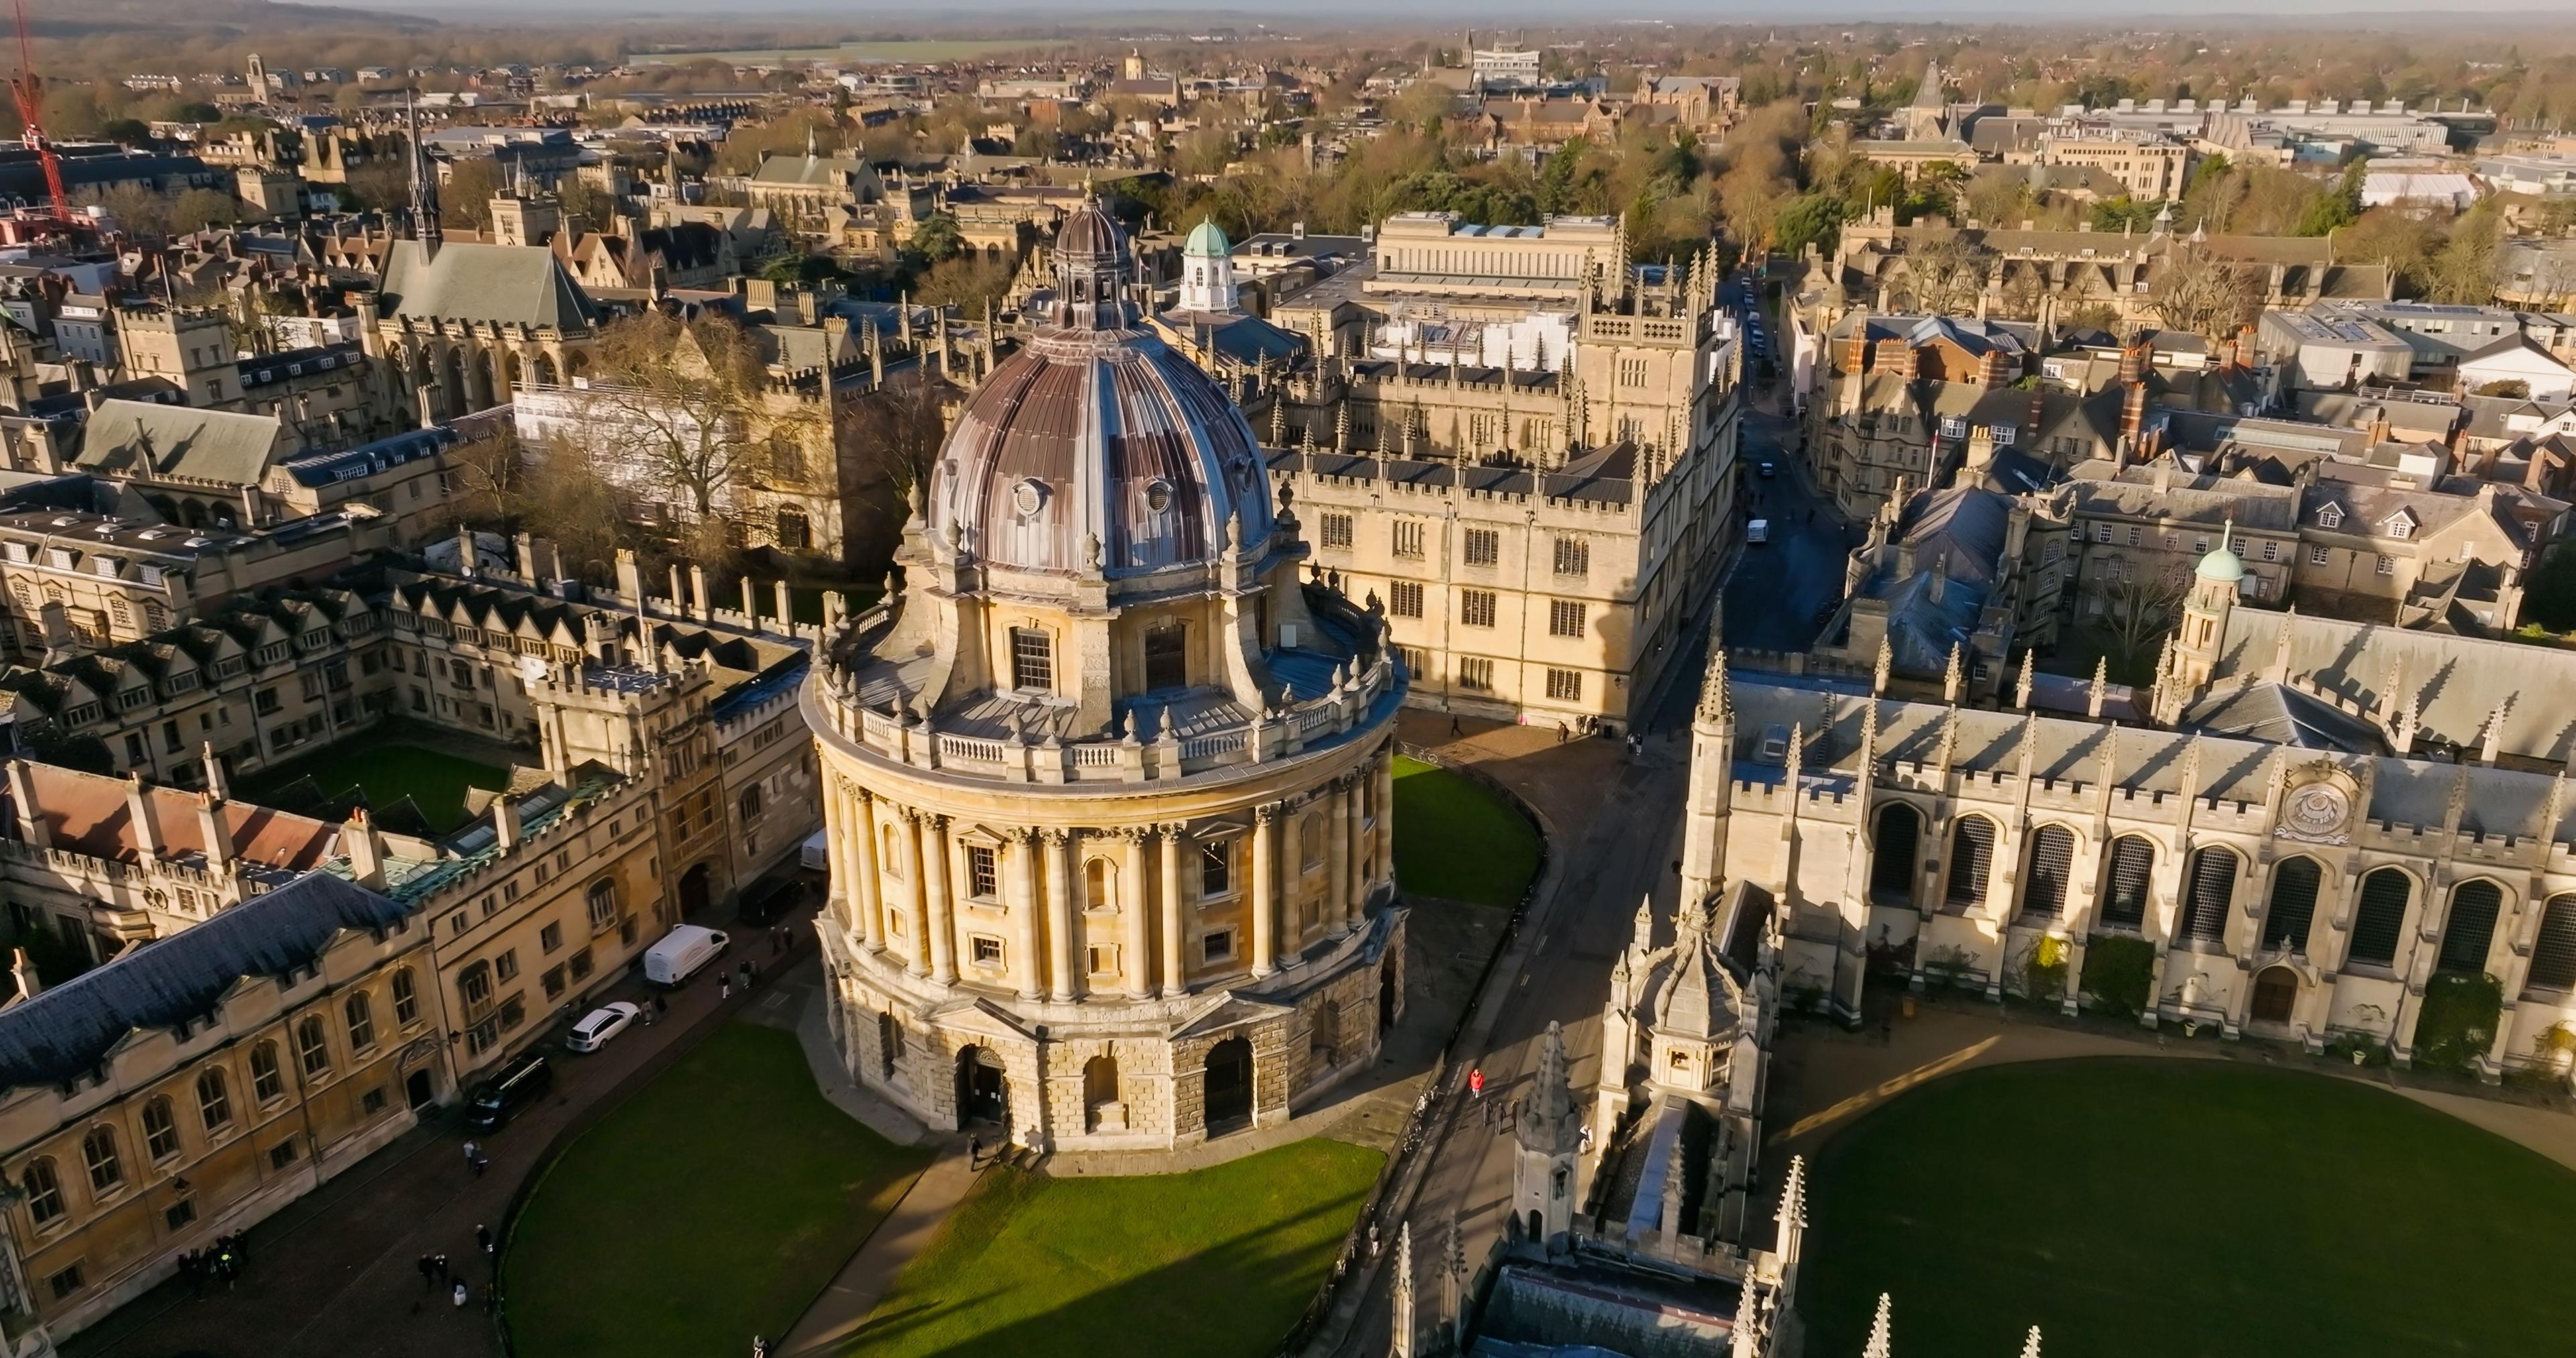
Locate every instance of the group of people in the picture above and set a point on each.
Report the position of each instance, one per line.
(747, 973)
(436, 1276)
(221, 1260)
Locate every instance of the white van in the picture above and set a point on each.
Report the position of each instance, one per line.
(1758, 532)
(681, 953)
(816, 851)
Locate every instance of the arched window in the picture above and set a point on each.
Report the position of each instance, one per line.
(795, 531)
(2124, 894)
(313, 1046)
(2294, 903)
(2474, 907)
(98, 1151)
(266, 1084)
(892, 858)
(44, 1191)
(1972, 851)
(406, 998)
(1099, 885)
(2207, 895)
(214, 1101)
(2052, 857)
(362, 1021)
(2553, 953)
(2379, 922)
(1891, 855)
(1310, 844)
(160, 1130)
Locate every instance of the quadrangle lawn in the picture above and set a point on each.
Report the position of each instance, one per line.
(712, 1205)
(1216, 1263)
(2137, 1208)
(1457, 840)
(435, 780)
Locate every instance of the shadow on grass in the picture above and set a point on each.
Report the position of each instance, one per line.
(1104, 1268)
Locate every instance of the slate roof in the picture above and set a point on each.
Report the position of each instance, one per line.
(141, 440)
(69, 1030)
(2456, 681)
(502, 284)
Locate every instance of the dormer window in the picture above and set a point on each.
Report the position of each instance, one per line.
(2330, 517)
(2401, 526)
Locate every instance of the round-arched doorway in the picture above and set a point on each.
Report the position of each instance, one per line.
(983, 1093)
(2276, 995)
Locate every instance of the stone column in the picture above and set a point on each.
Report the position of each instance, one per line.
(917, 864)
(1131, 903)
(1059, 890)
(867, 894)
(1174, 968)
(1265, 906)
(1338, 911)
(943, 932)
(1355, 858)
(843, 886)
(1385, 818)
(1019, 895)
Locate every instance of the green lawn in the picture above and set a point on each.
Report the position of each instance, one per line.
(711, 1206)
(1217, 1263)
(434, 779)
(1455, 839)
(2171, 1209)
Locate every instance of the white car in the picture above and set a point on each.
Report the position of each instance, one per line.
(601, 1024)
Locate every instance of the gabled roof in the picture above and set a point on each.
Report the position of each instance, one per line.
(69, 1030)
(500, 284)
(142, 440)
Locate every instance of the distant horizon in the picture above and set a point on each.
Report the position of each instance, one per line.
(1473, 13)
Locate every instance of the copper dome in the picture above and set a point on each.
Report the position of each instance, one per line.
(1098, 446)
(1089, 238)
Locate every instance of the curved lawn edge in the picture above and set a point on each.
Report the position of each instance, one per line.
(1431, 858)
(1080, 1266)
(716, 1201)
(2158, 1205)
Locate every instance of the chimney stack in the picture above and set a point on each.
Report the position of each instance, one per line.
(366, 850)
(215, 831)
(138, 809)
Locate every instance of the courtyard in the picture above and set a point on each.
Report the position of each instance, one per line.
(437, 781)
(711, 1206)
(1215, 1263)
(2147, 1208)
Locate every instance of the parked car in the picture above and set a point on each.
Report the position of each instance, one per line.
(601, 1024)
(1767, 468)
(507, 1092)
(681, 952)
(1758, 532)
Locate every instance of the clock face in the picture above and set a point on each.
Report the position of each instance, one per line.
(2315, 811)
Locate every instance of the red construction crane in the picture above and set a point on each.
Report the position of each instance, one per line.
(25, 86)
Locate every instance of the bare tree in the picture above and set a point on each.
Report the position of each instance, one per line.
(2206, 296)
(2138, 608)
(1944, 272)
(688, 409)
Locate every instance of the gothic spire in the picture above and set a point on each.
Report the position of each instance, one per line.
(1878, 1346)
(2030, 1347)
(1549, 1119)
(424, 183)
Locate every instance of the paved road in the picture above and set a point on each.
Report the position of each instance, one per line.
(1782, 589)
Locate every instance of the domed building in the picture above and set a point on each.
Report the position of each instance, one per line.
(1207, 320)
(1108, 785)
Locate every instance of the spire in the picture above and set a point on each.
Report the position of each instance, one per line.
(424, 184)
(2021, 682)
(1403, 1318)
(1952, 676)
(1878, 1337)
(1885, 665)
(1714, 699)
(2030, 1346)
(2101, 686)
(1797, 759)
(1549, 1118)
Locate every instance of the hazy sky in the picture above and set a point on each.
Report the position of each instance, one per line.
(1320, 14)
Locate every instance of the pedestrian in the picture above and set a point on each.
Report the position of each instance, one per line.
(483, 1239)
(428, 1274)
(474, 1159)
(759, 1347)
(1453, 724)
(974, 1152)
(1560, 733)
(459, 1294)
(662, 1006)
(724, 986)
(1476, 1081)
(439, 1262)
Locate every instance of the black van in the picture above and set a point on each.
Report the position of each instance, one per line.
(517, 1084)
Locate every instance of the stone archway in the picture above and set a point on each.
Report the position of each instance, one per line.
(983, 1091)
(2276, 995)
(1102, 1108)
